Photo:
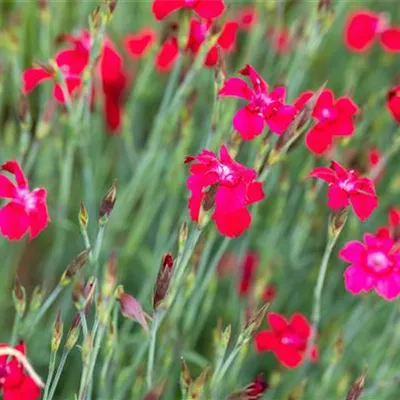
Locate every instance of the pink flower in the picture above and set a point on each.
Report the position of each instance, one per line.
(393, 103)
(263, 107)
(198, 33)
(374, 265)
(138, 44)
(207, 9)
(334, 118)
(246, 18)
(363, 27)
(346, 187)
(26, 210)
(71, 65)
(227, 184)
(287, 339)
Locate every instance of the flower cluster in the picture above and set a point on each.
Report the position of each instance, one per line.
(364, 27)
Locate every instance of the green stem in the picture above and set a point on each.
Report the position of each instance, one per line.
(97, 247)
(58, 374)
(52, 365)
(16, 329)
(157, 318)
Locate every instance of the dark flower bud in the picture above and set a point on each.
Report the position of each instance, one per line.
(108, 203)
(83, 216)
(73, 333)
(19, 297)
(74, 267)
(163, 279)
(57, 333)
(357, 387)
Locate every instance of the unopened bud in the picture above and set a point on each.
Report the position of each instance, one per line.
(37, 298)
(357, 387)
(88, 293)
(337, 221)
(131, 308)
(73, 333)
(185, 378)
(108, 203)
(110, 276)
(155, 392)
(76, 266)
(19, 297)
(57, 333)
(163, 279)
(196, 391)
(253, 391)
(83, 216)
(112, 5)
(78, 287)
(253, 324)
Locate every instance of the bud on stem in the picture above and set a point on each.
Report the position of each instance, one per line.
(74, 267)
(57, 333)
(107, 204)
(19, 297)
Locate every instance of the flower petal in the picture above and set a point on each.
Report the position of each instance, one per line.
(289, 356)
(277, 322)
(14, 221)
(281, 119)
(337, 197)
(254, 192)
(324, 173)
(248, 124)
(14, 168)
(38, 219)
(345, 105)
(388, 287)
(300, 325)
(167, 55)
(233, 224)
(390, 39)
(393, 103)
(236, 87)
(32, 77)
(325, 100)
(7, 188)
(72, 85)
(138, 44)
(353, 252)
(113, 114)
(318, 140)
(162, 8)
(266, 341)
(228, 35)
(363, 205)
(209, 9)
(357, 280)
(257, 81)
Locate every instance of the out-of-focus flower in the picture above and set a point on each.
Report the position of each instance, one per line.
(247, 270)
(345, 187)
(363, 27)
(393, 103)
(375, 264)
(26, 210)
(246, 18)
(138, 44)
(281, 40)
(269, 293)
(231, 188)
(263, 108)
(392, 230)
(167, 54)
(334, 118)
(15, 384)
(253, 391)
(69, 64)
(287, 339)
(198, 33)
(374, 161)
(207, 9)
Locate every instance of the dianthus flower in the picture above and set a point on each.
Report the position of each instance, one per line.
(228, 185)
(393, 103)
(333, 118)
(345, 187)
(14, 383)
(26, 210)
(363, 27)
(264, 107)
(375, 265)
(392, 230)
(138, 44)
(207, 9)
(287, 339)
(247, 270)
(246, 18)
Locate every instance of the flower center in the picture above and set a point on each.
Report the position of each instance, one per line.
(328, 114)
(26, 199)
(378, 261)
(227, 175)
(292, 339)
(347, 185)
(190, 3)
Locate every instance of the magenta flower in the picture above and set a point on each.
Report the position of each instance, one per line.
(346, 187)
(232, 187)
(27, 210)
(263, 107)
(334, 118)
(375, 264)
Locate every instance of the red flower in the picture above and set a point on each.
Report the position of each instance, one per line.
(138, 44)
(374, 265)
(26, 210)
(248, 268)
(232, 187)
(257, 388)
(15, 384)
(287, 339)
(346, 187)
(246, 18)
(334, 118)
(365, 26)
(280, 39)
(71, 65)
(207, 9)
(393, 103)
(167, 55)
(269, 293)
(198, 33)
(393, 229)
(263, 107)
(374, 160)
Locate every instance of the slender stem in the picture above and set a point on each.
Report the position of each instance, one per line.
(44, 307)
(85, 329)
(157, 318)
(97, 247)
(58, 373)
(15, 330)
(52, 365)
